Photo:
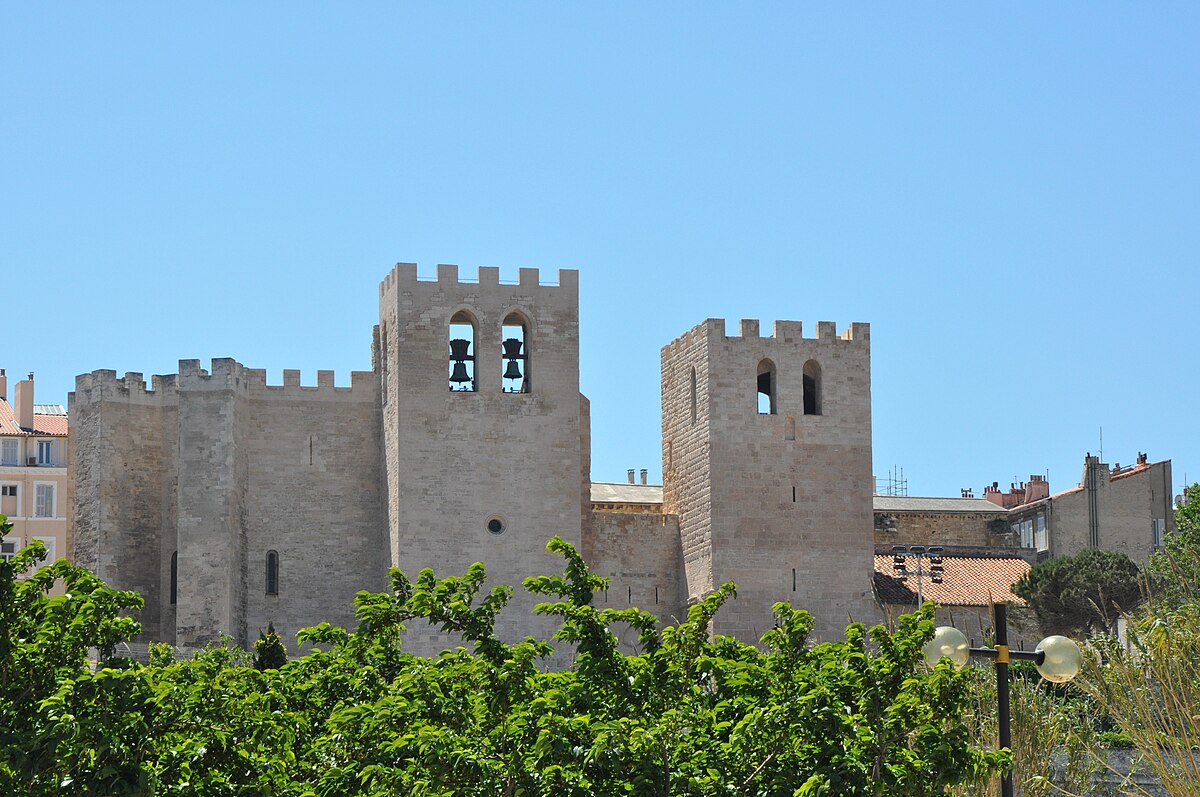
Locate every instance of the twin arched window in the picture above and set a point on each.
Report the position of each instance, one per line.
(514, 353)
(767, 385)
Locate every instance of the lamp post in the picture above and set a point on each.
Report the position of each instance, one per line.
(919, 552)
(1057, 658)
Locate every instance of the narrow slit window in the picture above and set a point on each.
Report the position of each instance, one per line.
(462, 353)
(693, 395)
(514, 341)
(383, 362)
(174, 577)
(766, 388)
(812, 388)
(272, 573)
(793, 579)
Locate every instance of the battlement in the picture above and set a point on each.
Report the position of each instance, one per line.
(786, 331)
(225, 372)
(405, 275)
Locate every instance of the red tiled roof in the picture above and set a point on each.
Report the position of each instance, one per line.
(49, 425)
(968, 581)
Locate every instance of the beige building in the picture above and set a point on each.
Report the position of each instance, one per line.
(229, 503)
(1126, 509)
(33, 470)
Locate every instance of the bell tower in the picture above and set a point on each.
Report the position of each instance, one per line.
(767, 463)
(482, 440)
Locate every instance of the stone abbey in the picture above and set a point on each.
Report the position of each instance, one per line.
(229, 503)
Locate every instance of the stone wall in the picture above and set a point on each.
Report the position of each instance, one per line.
(788, 513)
(215, 469)
(641, 554)
(900, 527)
(122, 457)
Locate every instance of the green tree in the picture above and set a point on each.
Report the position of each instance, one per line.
(1176, 568)
(1075, 595)
(69, 724)
(269, 650)
(687, 713)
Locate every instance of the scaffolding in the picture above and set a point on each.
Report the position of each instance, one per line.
(893, 484)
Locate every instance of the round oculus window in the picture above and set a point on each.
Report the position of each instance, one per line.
(495, 526)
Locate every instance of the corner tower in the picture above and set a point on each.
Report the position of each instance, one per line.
(767, 463)
(481, 415)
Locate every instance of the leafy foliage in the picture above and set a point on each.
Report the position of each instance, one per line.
(1177, 567)
(1077, 594)
(687, 714)
(269, 651)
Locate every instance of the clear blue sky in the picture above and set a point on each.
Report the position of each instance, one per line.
(1008, 196)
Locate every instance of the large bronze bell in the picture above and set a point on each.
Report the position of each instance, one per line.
(513, 371)
(512, 348)
(458, 349)
(459, 374)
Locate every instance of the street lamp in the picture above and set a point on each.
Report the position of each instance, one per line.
(1058, 660)
(919, 552)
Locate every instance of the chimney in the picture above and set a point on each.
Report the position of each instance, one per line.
(631, 476)
(644, 471)
(1039, 488)
(1141, 459)
(23, 403)
(3, 386)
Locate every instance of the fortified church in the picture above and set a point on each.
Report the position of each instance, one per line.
(229, 503)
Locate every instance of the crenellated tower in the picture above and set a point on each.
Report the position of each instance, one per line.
(481, 426)
(226, 502)
(767, 463)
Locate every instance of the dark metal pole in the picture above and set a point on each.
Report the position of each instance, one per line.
(1000, 623)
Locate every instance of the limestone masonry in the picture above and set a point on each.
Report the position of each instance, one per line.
(229, 503)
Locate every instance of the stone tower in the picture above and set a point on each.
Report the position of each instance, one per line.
(480, 467)
(767, 462)
(228, 503)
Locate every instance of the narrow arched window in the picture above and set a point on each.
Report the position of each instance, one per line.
(272, 573)
(174, 577)
(514, 339)
(766, 388)
(462, 352)
(812, 388)
(693, 395)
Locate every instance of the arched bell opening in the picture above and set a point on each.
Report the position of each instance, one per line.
(514, 341)
(462, 352)
(766, 388)
(812, 388)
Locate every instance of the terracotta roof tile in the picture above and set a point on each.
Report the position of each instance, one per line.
(49, 425)
(968, 581)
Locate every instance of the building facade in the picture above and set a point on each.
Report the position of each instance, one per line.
(33, 470)
(1124, 509)
(229, 503)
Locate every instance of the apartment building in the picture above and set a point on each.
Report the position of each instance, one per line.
(33, 470)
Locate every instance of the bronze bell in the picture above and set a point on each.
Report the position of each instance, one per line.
(513, 371)
(512, 348)
(459, 374)
(458, 350)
